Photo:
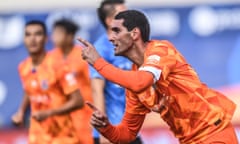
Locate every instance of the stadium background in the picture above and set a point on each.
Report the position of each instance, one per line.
(207, 32)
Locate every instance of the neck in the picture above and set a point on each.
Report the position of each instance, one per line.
(38, 58)
(136, 53)
(66, 49)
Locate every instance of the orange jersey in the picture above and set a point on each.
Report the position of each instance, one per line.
(47, 88)
(80, 69)
(193, 111)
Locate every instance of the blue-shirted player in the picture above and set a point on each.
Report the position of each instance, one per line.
(109, 97)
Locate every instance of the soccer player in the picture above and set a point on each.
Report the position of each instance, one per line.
(51, 92)
(109, 97)
(162, 81)
(67, 53)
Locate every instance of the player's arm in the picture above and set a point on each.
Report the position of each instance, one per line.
(97, 85)
(18, 117)
(136, 81)
(75, 101)
(125, 132)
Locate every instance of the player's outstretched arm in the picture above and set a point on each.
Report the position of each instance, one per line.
(125, 132)
(18, 117)
(136, 81)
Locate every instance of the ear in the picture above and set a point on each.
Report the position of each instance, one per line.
(135, 33)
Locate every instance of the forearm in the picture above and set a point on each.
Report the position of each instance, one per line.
(25, 103)
(74, 102)
(125, 132)
(136, 81)
(98, 93)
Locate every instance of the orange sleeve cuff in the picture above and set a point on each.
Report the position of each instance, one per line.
(135, 81)
(126, 131)
(99, 64)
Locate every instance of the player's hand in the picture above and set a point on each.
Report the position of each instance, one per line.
(17, 118)
(98, 119)
(41, 115)
(89, 53)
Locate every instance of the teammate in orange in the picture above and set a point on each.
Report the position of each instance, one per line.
(162, 81)
(51, 92)
(69, 54)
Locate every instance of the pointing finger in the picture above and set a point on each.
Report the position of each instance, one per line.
(84, 42)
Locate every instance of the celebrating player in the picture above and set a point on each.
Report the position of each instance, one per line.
(162, 81)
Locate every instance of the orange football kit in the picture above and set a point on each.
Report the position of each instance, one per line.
(194, 112)
(80, 70)
(47, 87)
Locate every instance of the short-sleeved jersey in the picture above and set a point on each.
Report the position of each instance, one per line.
(191, 109)
(114, 94)
(79, 68)
(48, 88)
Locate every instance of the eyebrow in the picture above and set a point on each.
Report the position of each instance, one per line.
(115, 29)
(36, 32)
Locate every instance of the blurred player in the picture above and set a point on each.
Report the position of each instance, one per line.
(109, 97)
(51, 92)
(162, 81)
(67, 53)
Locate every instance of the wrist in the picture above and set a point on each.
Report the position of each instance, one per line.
(20, 112)
(106, 128)
(99, 63)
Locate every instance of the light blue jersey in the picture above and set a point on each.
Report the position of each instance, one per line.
(114, 94)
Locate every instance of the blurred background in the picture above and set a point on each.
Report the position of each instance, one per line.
(207, 32)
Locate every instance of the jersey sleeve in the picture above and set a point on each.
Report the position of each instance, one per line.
(67, 80)
(159, 59)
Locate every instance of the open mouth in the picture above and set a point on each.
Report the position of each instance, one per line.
(116, 45)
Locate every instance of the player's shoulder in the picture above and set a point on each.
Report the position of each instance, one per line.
(52, 59)
(160, 43)
(160, 46)
(24, 65)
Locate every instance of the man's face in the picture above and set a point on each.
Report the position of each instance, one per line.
(120, 37)
(34, 38)
(59, 37)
